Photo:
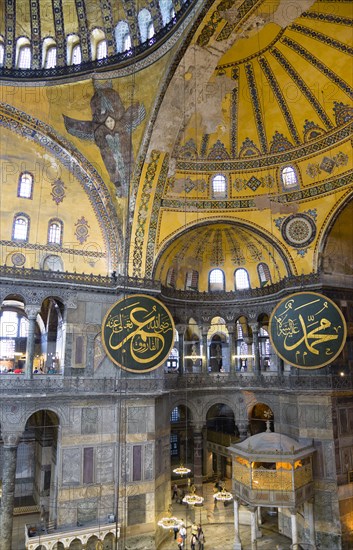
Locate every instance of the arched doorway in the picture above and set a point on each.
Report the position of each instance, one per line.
(221, 433)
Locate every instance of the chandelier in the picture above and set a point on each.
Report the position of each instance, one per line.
(193, 498)
(223, 495)
(169, 521)
(181, 470)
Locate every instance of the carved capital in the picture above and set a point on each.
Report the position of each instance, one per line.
(32, 311)
(11, 439)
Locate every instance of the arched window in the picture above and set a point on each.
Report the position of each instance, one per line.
(102, 49)
(54, 232)
(20, 228)
(50, 59)
(25, 185)
(167, 10)
(76, 54)
(99, 46)
(13, 328)
(171, 277)
(145, 22)
(73, 53)
(23, 53)
(264, 274)
(2, 51)
(289, 177)
(192, 280)
(216, 280)
(241, 279)
(122, 37)
(49, 53)
(219, 186)
(53, 263)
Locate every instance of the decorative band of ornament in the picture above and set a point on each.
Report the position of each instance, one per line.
(138, 333)
(307, 330)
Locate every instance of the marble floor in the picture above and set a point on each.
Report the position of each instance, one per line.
(217, 522)
(218, 527)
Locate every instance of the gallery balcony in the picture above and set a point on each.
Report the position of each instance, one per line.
(12, 384)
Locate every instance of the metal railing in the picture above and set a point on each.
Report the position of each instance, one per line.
(11, 384)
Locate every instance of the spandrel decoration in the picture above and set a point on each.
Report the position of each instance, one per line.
(307, 330)
(138, 333)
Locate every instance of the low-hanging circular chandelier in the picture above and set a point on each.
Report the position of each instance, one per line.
(169, 522)
(192, 498)
(223, 495)
(182, 471)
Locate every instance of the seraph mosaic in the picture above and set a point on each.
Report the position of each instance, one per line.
(111, 130)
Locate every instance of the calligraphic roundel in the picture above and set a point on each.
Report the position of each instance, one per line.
(138, 333)
(307, 330)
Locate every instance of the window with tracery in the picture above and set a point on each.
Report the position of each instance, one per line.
(242, 281)
(219, 186)
(20, 228)
(289, 177)
(171, 277)
(192, 280)
(216, 280)
(264, 274)
(25, 185)
(54, 232)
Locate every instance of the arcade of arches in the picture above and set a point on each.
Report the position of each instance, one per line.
(198, 154)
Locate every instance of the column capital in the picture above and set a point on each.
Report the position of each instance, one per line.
(11, 439)
(32, 310)
(198, 426)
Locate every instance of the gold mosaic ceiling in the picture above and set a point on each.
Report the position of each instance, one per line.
(257, 93)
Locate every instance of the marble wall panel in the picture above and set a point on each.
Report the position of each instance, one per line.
(71, 466)
(89, 420)
(105, 464)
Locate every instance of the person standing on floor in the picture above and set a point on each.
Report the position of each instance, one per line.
(193, 542)
(182, 533)
(201, 539)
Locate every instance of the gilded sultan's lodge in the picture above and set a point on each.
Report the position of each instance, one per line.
(176, 270)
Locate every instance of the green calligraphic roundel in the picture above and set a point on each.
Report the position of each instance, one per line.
(307, 330)
(138, 333)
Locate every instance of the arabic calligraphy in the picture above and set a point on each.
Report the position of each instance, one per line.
(138, 333)
(307, 330)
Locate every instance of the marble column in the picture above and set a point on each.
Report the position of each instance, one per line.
(294, 526)
(258, 522)
(253, 524)
(198, 442)
(237, 541)
(204, 351)
(32, 312)
(231, 348)
(255, 336)
(181, 369)
(309, 516)
(8, 489)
